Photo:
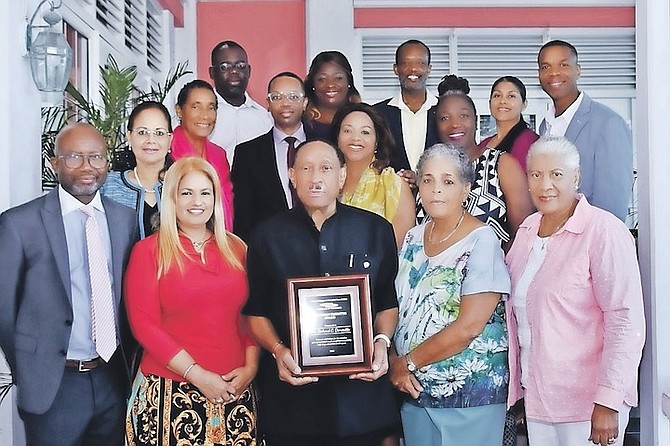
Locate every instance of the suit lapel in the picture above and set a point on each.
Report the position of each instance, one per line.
(579, 119)
(268, 163)
(55, 231)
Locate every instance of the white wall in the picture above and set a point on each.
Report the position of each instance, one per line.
(653, 41)
(20, 175)
(20, 113)
(330, 26)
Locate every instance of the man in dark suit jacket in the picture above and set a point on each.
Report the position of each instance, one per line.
(411, 112)
(260, 167)
(67, 394)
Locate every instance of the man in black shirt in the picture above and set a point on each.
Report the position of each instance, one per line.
(320, 238)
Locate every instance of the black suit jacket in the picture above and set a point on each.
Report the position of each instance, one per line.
(256, 184)
(399, 158)
(35, 294)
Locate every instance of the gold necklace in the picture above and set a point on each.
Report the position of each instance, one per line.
(453, 231)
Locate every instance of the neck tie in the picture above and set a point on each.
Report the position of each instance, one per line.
(290, 159)
(102, 302)
(290, 153)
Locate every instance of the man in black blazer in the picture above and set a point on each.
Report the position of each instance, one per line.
(411, 112)
(67, 393)
(260, 167)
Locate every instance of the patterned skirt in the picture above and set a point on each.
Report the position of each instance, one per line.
(163, 412)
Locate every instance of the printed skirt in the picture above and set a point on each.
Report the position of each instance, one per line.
(163, 412)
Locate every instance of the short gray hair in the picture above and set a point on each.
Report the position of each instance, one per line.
(558, 146)
(464, 167)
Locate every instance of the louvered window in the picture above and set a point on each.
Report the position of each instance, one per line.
(379, 81)
(482, 59)
(154, 37)
(607, 61)
(134, 25)
(607, 57)
(110, 14)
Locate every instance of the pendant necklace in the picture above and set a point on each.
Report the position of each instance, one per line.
(198, 245)
(448, 236)
(139, 182)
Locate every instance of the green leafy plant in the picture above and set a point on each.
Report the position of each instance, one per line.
(118, 95)
(53, 119)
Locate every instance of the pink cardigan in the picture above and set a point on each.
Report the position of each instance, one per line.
(586, 318)
(216, 156)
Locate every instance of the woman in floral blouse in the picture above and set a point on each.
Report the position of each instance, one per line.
(451, 337)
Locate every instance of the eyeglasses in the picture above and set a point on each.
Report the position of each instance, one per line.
(293, 96)
(146, 133)
(227, 66)
(75, 160)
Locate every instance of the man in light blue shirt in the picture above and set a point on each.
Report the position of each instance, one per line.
(72, 378)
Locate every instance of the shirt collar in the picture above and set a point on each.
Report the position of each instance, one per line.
(575, 224)
(299, 134)
(248, 102)
(397, 101)
(68, 203)
(301, 213)
(567, 115)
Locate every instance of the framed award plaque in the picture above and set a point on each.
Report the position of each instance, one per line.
(330, 321)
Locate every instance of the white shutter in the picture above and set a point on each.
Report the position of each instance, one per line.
(378, 52)
(486, 56)
(154, 37)
(135, 28)
(110, 14)
(607, 60)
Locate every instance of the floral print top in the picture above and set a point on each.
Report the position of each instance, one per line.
(430, 290)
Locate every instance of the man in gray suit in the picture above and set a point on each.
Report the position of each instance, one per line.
(71, 375)
(602, 137)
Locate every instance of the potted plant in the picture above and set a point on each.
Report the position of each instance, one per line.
(119, 96)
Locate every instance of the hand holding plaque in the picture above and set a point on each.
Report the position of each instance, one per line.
(330, 322)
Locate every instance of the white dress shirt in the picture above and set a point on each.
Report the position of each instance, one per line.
(81, 345)
(414, 126)
(281, 152)
(558, 125)
(235, 125)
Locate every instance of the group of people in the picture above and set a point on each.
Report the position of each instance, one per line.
(151, 306)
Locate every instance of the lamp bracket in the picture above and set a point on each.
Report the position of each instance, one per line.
(51, 17)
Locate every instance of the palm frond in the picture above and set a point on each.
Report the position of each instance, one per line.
(160, 91)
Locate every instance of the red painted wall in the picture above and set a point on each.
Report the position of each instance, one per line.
(177, 10)
(500, 17)
(272, 33)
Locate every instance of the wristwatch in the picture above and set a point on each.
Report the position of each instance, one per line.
(410, 364)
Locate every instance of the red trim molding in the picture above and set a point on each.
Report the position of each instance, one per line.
(177, 10)
(497, 17)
